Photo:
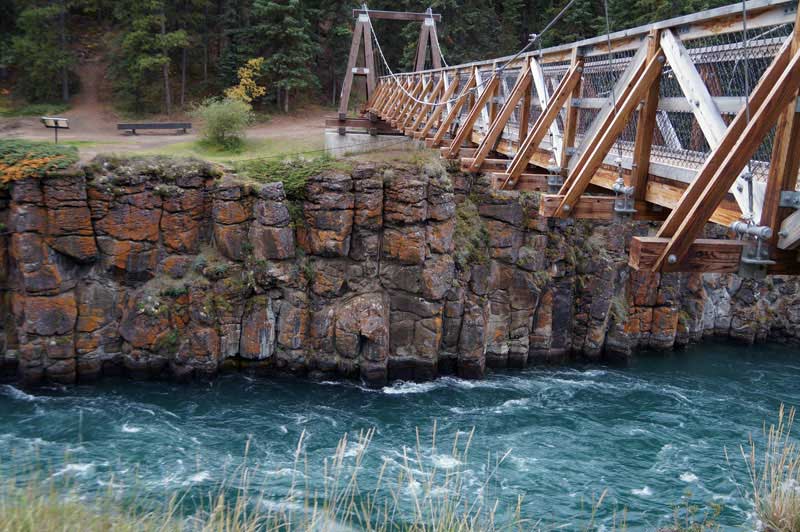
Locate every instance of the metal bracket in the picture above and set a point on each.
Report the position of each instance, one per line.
(790, 198)
(571, 150)
(363, 17)
(554, 183)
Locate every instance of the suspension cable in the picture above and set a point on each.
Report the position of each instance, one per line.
(535, 38)
(613, 92)
(749, 174)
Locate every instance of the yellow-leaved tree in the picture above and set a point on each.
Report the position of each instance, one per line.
(248, 89)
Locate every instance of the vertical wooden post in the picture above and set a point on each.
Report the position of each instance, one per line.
(436, 52)
(453, 114)
(369, 58)
(521, 86)
(645, 126)
(571, 120)
(465, 130)
(785, 161)
(524, 115)
(352, 59)
(437, 112)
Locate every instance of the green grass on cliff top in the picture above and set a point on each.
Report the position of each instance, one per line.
(252, 149)
(23, 158)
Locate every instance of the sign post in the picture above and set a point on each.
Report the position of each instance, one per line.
(55, 123)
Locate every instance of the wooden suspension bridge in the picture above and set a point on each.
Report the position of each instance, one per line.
(686, 121)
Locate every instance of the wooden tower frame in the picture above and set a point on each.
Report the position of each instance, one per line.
(362, 41)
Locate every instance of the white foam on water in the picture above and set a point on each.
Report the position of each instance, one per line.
(201, 476)
(283, 430)
(283, 472)
(403, 387)
(594, 372)
(16, 393)
(75, 469)
(688, 476)
(353, 449)
(642, 492)
(130, 429)
(511, 403)
(444, 461)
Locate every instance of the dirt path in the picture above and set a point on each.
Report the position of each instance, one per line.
(93, 121)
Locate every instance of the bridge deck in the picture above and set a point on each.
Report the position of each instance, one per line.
(665, 110)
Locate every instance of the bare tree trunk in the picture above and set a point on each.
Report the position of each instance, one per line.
(62, 19)
(165, 68)
(286, 100)
(205, 43)
(183, 77)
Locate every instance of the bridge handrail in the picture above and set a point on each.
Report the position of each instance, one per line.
(728, 19)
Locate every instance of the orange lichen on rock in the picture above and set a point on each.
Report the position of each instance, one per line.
(23, 168)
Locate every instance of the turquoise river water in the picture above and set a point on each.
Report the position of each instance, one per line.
(647, 432)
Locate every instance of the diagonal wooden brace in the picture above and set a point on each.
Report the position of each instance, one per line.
(781, 93)
(541, 126)
(592, 158)
(522, 85)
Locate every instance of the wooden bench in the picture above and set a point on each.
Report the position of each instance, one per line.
(156, 125)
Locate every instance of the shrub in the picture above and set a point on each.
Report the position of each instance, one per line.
(293, 173)
(774, 474)
(20, 159)
(471, 237)
(225, 121)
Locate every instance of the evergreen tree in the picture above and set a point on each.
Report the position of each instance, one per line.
(40, 51)
(144, 53)
(290, 50)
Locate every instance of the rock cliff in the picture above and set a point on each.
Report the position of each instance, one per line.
(169, 268)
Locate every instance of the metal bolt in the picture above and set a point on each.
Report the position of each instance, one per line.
(672, 259)
(783, 234)
(566, 208)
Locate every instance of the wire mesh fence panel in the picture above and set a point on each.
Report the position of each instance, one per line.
(728, 62)
(730, 66)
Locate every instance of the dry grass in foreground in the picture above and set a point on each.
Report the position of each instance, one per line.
(774, 476)
(418, 498)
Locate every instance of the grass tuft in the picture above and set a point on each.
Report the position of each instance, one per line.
(774, 474)
(293, 173)
(471, 238)
(411, 495)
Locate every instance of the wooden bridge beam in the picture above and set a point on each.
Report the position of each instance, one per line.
(592, 158)
(702, 256)
(783, 168)
(418, 104)
(645, 127)
(439, 109)
(727, 143)
(596, 207)
(571, 120)
(466, 128)
(521, 86)
(406, 101)
(781, 92)
(453, 114)
(423, 111)
(542, 124)
(540, 84)
(704, 108)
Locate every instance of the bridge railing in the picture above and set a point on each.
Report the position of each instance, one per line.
(713, 40)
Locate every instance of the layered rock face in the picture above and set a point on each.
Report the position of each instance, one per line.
(166, 268)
